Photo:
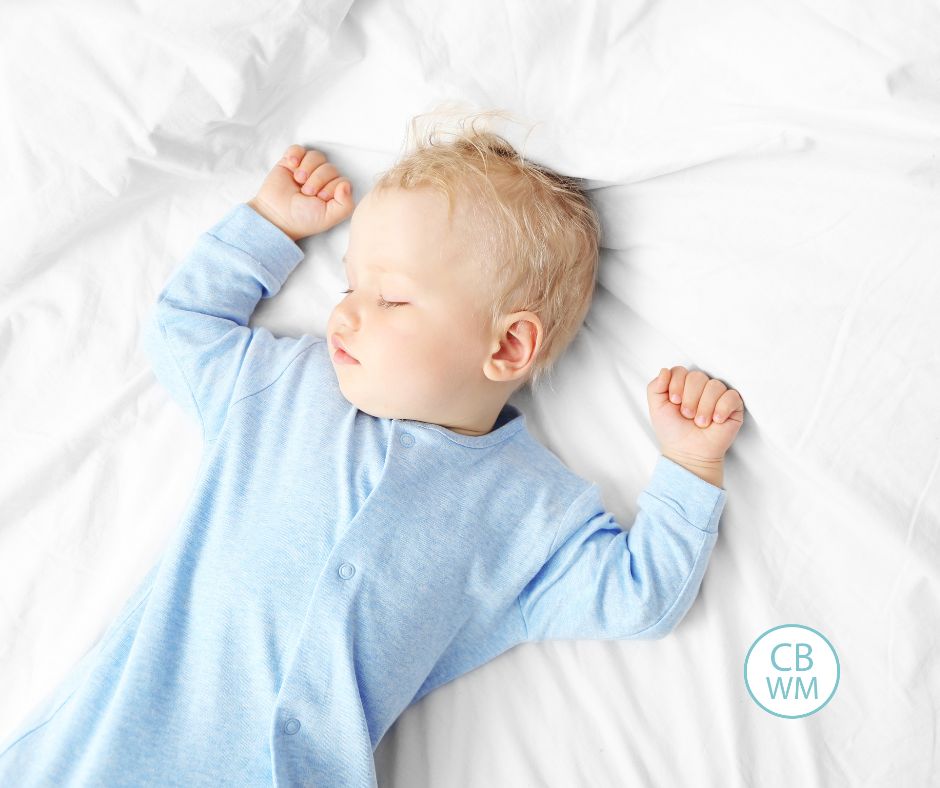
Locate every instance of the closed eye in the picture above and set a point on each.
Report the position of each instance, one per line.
(382, 302)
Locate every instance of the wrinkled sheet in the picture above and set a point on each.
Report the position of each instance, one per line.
(768, 177)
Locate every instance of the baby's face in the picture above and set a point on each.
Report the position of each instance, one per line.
(424, 358)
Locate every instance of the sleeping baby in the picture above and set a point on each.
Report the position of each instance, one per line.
(371, 518)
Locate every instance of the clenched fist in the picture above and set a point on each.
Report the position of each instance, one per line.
(695, 417)
(304, 194)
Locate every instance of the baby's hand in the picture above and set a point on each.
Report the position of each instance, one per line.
(304, 194)
(707, 399)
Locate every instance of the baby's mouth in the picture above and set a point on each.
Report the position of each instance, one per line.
(340, 354)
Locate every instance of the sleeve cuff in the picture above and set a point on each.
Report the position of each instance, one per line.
(699, 502)
(245, 229)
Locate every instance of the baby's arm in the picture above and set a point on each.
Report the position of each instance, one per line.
(197, 335)
(601, 582)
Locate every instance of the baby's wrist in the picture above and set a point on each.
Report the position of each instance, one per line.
(709, 470)
(264, 212)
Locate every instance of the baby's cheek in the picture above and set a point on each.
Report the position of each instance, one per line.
(403, 348)
(402, 335)
(464, 352)
(416, 347)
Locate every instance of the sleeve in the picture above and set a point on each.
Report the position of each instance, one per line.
(197, 336)
(601, 582)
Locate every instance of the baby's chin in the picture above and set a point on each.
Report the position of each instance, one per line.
(364, 401)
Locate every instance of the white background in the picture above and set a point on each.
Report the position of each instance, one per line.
(768, 177)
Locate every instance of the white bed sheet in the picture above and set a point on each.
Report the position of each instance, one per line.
(768, 177)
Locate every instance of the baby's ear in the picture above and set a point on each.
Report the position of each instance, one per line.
(518, 348)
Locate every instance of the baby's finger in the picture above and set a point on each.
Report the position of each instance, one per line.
(329, 188)
(706, 405)
(311, 160)
(729, 403)
(676, 384)
(293, 155)
(321, 176)
(657, 388)
(342, 194)
(694, 386)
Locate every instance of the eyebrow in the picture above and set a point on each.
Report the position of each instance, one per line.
(379, 268)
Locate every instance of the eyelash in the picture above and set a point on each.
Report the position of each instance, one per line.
(382, 302)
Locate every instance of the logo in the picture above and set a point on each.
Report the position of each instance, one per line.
(791, 671)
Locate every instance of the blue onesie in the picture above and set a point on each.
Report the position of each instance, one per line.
(331, 567)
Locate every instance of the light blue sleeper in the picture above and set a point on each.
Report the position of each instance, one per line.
(331, 567)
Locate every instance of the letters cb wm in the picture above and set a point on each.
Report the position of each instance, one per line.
(791, 671)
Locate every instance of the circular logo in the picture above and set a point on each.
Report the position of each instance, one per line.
(791, 671)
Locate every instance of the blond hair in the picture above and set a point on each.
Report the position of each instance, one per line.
(538, 234)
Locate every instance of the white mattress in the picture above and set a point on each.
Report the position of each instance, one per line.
(768, 177)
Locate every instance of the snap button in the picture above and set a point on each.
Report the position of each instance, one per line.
(407, 439)
(291, 726)
(346, 571)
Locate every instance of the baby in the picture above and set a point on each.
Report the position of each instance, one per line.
(371, 518)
